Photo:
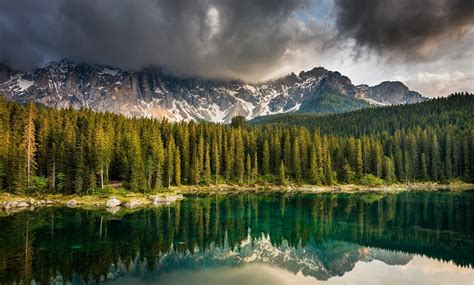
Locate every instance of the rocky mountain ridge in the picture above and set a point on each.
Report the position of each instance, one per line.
(153, 93)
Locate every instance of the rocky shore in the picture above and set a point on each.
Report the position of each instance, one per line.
(11, 203)
(113, 203)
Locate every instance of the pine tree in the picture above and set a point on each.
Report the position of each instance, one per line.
(287, 152)
(255, 167)
(407, 169)
(229, 153)
(29, 142)
(329, 174)
(297, 160)
(282, 173)
(314, 166)
(435, 159)
(137, 167)
(266, 158)
(169, 161)
(207, 165)
(398, 160)
(158, 156)
(359, 163)
(239, 156)
(200, 155)
(377, 158)
(185, 154)
(248, 168)
(101, 153)
(388, 170)
(448, 162)
(423, 167)
(348, 172)
(177, 167)
(216, 159)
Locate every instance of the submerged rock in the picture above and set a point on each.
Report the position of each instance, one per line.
(113, 202)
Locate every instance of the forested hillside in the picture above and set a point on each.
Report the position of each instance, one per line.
(80, 151)
(457, 109)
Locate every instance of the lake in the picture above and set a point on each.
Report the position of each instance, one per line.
(274, 238)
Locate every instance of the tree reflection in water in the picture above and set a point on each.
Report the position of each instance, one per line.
(318, 235)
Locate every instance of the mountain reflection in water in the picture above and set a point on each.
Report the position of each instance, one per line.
(293, 238)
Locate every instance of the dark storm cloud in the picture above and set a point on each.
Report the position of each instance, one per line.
(223, 38)
(412, 28)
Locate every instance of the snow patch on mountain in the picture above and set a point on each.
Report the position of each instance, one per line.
(154, 94)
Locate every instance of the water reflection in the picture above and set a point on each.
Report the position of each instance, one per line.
(320, 237)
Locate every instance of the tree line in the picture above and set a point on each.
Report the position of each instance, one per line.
(81, 151)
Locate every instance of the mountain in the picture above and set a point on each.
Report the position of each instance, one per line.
(153, 93)
(320, 261)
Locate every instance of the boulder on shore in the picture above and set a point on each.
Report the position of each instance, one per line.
(113, 202)
(71, 203)
(133, 204)
(167, 199)
(23, 204)
(9, 205)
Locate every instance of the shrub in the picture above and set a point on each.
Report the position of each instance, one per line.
(371, 180)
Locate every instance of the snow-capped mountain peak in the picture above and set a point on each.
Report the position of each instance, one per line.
(154, 94)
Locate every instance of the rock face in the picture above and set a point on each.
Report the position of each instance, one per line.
(152, 93)
(388, 93)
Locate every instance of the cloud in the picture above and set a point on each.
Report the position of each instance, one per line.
(441, 84)
(411, 29)
(210, 38)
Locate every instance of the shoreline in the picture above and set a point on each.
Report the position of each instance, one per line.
(316, 189)
(113, 202)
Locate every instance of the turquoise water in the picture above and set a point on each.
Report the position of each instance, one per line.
(417, 237)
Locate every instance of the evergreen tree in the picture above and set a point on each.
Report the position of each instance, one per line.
(170, 149)
(255, 167)
(29, 142)
(248, 168)
(297, 161)
(158, 157)
(207, 166)
(435, 158)
(282, 173)
(388, 170)
(216, 159)
(448, 162)
(359, 163)
(229, 152)
(266, 158)
(314, 166)
(239, 156)
(177, 167)
(423, 167)
(348, 172)
(137, 167)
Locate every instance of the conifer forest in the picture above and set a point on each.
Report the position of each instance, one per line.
(44, 150)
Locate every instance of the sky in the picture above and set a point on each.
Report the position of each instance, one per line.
(426, 44)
